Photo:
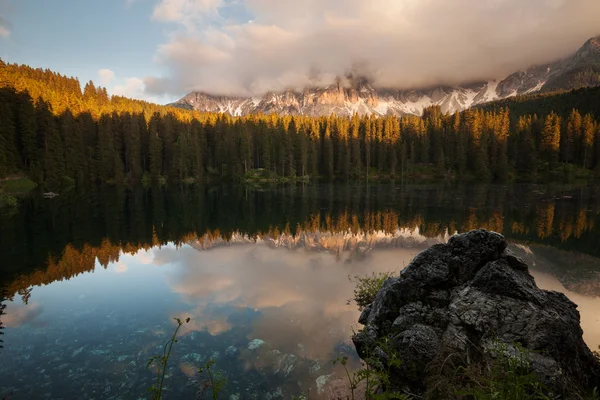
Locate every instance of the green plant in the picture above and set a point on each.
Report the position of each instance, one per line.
(163, 359)
(216, 381)
(375, 374)
(382, 373)
(595, 395)
(509, 377)
(367, 287)
(8, 200)
(352, 379)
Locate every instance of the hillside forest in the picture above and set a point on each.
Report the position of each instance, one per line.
(57, 134)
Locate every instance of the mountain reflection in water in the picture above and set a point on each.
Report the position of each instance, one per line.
(246, 265)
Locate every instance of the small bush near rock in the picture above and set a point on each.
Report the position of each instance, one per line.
(367, 287)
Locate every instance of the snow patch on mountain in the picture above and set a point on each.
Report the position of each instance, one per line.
(354, 95)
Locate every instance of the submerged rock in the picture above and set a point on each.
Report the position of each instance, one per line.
(255, 344)
(283, 363)
(193, 358)
(231, 352)
(77, 352)
(321, 381)
(466, 301)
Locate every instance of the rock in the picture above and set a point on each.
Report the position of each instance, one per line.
(470, 299)
(255, 344)
(215, 356)
(283, 364)
(77, 352)
(321, 382)
(314, 368)
(193, 358)
(277, 394)
(231, 352)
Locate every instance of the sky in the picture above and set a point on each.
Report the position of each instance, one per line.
(159, 50)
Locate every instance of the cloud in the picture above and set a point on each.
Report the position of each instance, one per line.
(121, 268)
(186, 12)
(291, 290)
(106, 76)
(4, 26)
(135, 88)
(132, 87)
(396, 43)
(20, 314)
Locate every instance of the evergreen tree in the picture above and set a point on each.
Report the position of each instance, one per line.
(550, 141)
(587, 141)
(570, 141)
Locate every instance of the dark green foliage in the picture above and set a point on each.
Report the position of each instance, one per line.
(509, 377)
(215, 382)
(55, 133)
(586, 100)
(367, 287)
(373, 380)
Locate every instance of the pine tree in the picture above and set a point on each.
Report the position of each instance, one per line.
(72, 137)
(356, 158)
(550, 141)
(570, 140)
(105, 153)
(328, 153)
(587, 141)
(26, 126)
(9, 156)
(155, 150)
(52, 145)
(133, 146)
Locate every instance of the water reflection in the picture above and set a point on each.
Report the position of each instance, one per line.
(246, 266)
(300, 295)
(292, 299)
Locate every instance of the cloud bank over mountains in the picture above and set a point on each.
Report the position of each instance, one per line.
(249, 47)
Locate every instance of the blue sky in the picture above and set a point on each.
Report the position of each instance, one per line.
(78, 38)
(161, 49)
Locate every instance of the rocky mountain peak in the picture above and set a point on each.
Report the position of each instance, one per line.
(352, 94)
(591, 48)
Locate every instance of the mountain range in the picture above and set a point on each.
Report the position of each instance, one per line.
(356, 95)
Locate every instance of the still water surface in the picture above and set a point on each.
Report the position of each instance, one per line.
(93, 279)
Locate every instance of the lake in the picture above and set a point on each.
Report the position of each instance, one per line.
(93, 279)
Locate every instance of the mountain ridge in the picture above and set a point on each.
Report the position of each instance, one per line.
(356, 95)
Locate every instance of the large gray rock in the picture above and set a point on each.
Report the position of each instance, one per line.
(463, 301)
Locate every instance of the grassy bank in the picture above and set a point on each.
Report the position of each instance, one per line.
(12, 188)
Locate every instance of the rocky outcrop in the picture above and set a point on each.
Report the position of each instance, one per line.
(356, 95)
(461, 302)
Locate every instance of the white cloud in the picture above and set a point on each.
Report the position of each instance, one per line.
(121, 268)
(106, 76)
(396, 43)
(132, 87)
(4, 24)
(186, 12)
(291, 289)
